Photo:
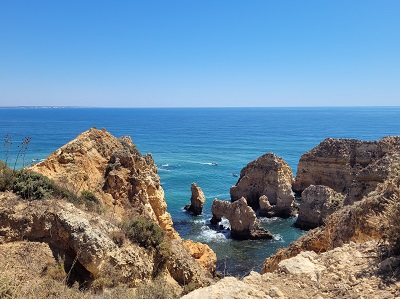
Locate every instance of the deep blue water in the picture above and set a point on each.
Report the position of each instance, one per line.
(185, 142)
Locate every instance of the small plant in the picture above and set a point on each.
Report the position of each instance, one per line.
(144, 232)
(7, 145)
(31, 185)
(6, 177)
(91, 202)
(22, 151)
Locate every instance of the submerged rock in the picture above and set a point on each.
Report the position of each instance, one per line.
(196, 201)
(242, 218)
(268, 175)
(317, 203)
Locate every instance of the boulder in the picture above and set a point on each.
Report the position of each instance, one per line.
(303, 264)
(317, 203)
(196, 201)
(268, 175)
(242, 218)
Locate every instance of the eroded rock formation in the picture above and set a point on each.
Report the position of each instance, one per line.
(349, 271)
(347, 166)
(197, 200)
(114, 170)
(242, 218)
(268, 175)
(92, 242)
(203, 254)
(358, 222)
(317, 203)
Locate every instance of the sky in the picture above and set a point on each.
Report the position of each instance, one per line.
(192, 53)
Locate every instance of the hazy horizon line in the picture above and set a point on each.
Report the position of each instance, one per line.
(190, 107)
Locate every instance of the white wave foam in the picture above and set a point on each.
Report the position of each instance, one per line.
(277, 237)
(269, 220)
(198, 221)
(209, 235)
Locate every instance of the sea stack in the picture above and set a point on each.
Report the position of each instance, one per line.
(242, 218)
(196, 201)
(269, 177)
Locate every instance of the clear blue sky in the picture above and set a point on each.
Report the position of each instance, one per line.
(170, 53)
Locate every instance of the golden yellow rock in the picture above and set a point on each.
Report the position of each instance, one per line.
(203, 254)
(114, 170)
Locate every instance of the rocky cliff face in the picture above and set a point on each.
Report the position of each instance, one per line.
(92, 245)
(347, 166)
(317, 203)
(268, 176)
(197, 200)
(114, 170)
(243, 220)
(350, 271)
(358, 222)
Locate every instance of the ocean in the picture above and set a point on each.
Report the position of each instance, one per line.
(208, 146)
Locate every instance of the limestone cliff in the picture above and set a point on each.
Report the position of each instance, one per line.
(114, 170)
(317, 203)
(347, 166)
(351, 271)
(269, 176)
(358, 222)
(93, 246)
(243, 221)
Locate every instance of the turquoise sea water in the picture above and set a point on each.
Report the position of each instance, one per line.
(186, 142)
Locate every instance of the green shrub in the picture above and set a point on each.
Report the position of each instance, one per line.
(31, 185)
(144, 232)
(6, 177)
(91, 202)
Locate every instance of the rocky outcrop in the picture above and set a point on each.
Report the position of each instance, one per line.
(203, 254)
(268, 175)
(347, 166)
(196, 201)
(242, 218)
(358, 222)
(317, 203)
(114, 170)
(92, 242)
(349, 271)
